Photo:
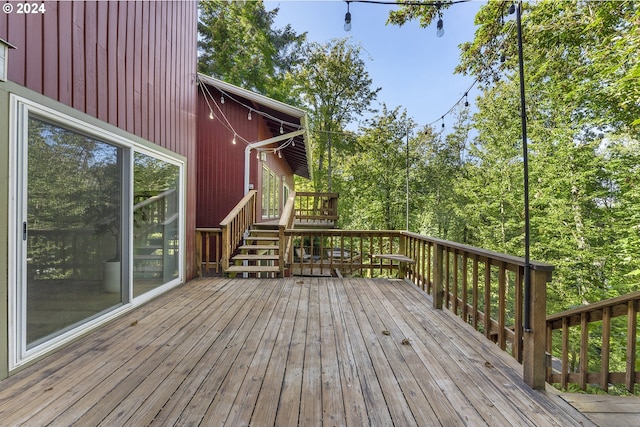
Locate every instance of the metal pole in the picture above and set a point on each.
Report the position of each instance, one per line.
(407, 208)
(525, 161)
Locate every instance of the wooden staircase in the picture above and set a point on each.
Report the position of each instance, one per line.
(258, 256)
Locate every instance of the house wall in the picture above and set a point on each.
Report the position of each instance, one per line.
(130, 65)
(221, 164)
(220, 184)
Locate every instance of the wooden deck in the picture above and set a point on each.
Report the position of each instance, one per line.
(286, 352)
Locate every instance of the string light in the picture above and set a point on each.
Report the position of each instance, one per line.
(281, 129)
(211, 116)
(234, 139)
(466, 101)
(222, 99)
(440, 24)
(347, 19)
(436, 4)
(249, 115)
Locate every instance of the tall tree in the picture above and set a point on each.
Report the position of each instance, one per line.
(581, 73)
(239, 44)
(336, 88)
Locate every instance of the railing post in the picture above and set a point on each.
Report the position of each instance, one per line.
(198, 253)
(534, 352)
(403, 251)
(226, 247)
(438, 277)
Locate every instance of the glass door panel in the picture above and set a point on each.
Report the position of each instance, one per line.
(74, 223)
(156, 221)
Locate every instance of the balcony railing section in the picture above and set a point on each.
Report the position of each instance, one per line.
(599, 345)
(208, 250)
(323, 251)
(235, 224)
(316, 208)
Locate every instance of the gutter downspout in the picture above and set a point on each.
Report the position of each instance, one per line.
(260, 144)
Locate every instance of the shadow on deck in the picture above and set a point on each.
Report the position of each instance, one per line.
(295, 351)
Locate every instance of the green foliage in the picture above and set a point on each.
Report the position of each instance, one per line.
(335, 87)
(238, 44)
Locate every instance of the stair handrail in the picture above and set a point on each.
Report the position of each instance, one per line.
(235, 224)
(286, 222)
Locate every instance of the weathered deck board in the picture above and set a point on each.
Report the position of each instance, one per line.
(295, 351)
(621, 411)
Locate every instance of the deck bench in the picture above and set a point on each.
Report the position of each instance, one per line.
(402, 260)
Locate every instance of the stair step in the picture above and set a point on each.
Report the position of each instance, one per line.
(263, 239)
(250, 257)
(264, 231)
(253, 269)
(258, 247)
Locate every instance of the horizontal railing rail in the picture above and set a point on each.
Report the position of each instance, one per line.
(235, 224)
(598, 342)
(208, 250)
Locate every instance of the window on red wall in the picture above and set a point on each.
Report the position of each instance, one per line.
(270, 193)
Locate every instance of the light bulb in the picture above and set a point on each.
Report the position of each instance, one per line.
(440, 28)
(293, 143)
(281, 129)
(211, 115)
(279, 154)
(347, 21)
(234, 139)
(249, 115)
(222, 99)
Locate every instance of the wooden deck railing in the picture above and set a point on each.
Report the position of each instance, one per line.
(590, 344)
(208, 250)
(484, 288)
(235, 224)
(310, 207)
(318, 250)
(286, 222)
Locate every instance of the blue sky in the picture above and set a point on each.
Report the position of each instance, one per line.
(413, 67)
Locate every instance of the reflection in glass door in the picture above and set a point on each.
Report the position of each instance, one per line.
(73, 229)
(156, 221)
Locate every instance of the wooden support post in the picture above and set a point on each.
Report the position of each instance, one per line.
(281, 249)
(632, 328)
(402, 266)
(198, 253)
(438, 279)
(534, 356)
(226, 247)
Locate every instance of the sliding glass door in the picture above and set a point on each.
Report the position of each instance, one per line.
(98, 227)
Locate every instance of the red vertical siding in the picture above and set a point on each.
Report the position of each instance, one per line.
(221, 164)
(130, 64)
(51, 51)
